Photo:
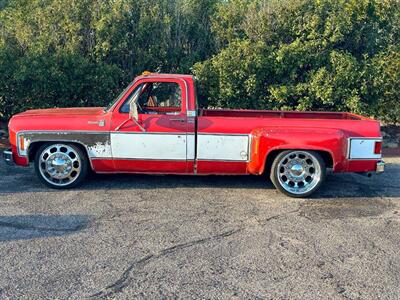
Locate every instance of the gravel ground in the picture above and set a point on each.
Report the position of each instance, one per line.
(199, 237)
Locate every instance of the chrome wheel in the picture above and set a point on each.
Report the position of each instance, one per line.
(298, 172)
(60, 165)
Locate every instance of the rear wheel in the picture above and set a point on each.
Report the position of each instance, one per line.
(61, 166)
(298, 173)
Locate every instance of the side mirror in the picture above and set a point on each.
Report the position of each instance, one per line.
(133, 111)
(134, 114)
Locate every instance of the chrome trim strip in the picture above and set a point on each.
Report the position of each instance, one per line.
(249, 148)
(158, 133)
(62, 131)
(139, 159)
(226, 134)
(97, 132)
(124, 132)
(187, 93)
(223, 160)
(152, 159)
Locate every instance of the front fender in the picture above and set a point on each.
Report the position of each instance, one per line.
(267, 140)
(96, 144)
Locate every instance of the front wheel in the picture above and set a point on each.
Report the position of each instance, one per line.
(61, 166)
(298, 173)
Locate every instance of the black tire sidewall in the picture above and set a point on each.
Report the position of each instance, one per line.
(82, 175)
(275, 180)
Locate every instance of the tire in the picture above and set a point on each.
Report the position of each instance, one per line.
(298, 173)
(61, 165)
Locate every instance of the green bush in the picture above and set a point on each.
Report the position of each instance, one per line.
(55, 53)
(307, 55)
(303, 54)
(45, 81)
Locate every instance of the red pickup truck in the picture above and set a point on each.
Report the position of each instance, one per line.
(155, 127)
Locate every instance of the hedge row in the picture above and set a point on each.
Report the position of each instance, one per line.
(265, 54)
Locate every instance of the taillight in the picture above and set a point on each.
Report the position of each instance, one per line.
(378, 148)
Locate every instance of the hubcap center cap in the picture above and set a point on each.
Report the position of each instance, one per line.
(297, 170)
(60, 164)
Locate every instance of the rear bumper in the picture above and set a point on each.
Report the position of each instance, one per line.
(379, 169)
(8, 156)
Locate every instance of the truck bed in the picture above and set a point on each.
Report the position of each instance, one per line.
(278, 114)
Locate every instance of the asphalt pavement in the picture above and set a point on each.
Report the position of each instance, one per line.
(162, 237)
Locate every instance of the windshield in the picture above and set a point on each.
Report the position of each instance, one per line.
(107, 108)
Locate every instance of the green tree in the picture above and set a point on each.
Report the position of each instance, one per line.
(54, 53)
(317, 55)
(268, 54)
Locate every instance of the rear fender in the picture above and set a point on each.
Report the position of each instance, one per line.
(265, 141)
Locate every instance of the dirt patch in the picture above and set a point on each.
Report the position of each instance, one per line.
(345, 208)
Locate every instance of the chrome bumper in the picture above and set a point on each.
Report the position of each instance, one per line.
(380, 167)
(8, 156)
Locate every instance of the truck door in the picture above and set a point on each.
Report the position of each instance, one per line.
(157, 143)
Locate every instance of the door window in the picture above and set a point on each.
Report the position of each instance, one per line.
(163, 98)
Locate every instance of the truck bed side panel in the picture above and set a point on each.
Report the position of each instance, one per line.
(269, 134)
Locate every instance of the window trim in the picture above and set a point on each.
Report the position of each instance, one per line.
(181, 83)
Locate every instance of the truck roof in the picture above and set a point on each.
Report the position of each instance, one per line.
(158, 75)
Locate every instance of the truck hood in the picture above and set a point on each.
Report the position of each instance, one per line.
(76, 111)
(67, 119)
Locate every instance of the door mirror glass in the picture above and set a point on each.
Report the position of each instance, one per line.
(133, 110)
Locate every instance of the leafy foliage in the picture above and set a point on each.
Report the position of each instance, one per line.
(262, 54)
(82, 52)
(307, 55)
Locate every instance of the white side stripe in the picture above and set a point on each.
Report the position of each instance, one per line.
(223, 147)
(149, 146)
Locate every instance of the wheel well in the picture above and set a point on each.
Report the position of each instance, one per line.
(34, 147)
(326, 156)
